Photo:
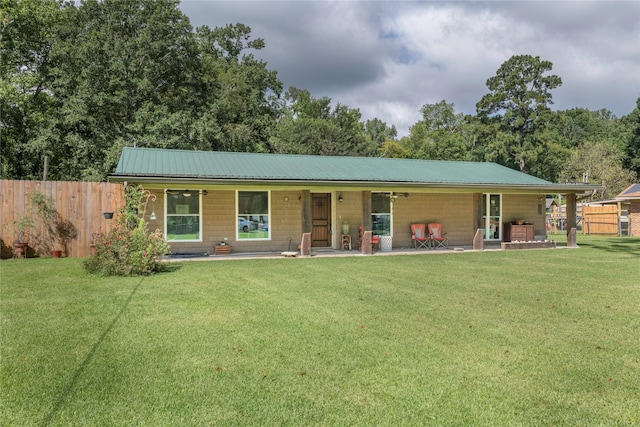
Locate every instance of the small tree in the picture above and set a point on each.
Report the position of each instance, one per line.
(22, 227)
(55, 232)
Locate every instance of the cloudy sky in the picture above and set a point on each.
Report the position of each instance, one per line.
(390, 58)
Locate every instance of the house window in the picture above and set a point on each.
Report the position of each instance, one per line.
(492, 216)
(253, 215)
(183, 217)
(381, 215)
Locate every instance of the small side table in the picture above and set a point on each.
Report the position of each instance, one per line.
(345, 242)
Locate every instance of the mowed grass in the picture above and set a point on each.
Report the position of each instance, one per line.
(548, 337)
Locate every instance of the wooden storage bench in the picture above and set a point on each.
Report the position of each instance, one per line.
(223, 249)
(518, 233)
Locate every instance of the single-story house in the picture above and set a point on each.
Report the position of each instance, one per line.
(265, 202)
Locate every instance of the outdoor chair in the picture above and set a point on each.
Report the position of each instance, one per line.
(375, 242)
(419, 236)
(438, 238)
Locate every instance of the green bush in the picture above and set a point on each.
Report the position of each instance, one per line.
(129, 249)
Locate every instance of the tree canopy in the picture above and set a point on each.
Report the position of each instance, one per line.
(81, 80)
(519, 99)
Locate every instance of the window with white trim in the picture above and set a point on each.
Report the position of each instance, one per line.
(381, 214)
(183, 217)
(253, 215)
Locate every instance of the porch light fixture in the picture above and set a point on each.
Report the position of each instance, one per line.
(153, 209)
(186, 193)
(340, 199)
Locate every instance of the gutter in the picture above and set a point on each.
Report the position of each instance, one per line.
(191, 181)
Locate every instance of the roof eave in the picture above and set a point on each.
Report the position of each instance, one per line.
(176, 180)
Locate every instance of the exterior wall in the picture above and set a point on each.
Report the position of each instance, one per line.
(457, 212)
(454, 211)
(634, 217)
(350, 210)
(219, 223)
(528, 207)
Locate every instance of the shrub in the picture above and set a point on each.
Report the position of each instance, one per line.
(126, 251)
(129, 248)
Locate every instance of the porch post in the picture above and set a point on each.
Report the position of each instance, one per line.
(305, 199)
(366, 223)
(366, 210)
(571, 220)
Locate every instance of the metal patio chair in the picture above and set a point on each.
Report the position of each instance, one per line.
(438, 238)
(419, 236)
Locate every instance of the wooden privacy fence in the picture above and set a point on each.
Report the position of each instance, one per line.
(79, 204)
(600, 219)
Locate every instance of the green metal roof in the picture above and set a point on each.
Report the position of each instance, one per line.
(214, 165)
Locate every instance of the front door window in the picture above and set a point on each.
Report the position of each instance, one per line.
(492, 216)
(381, 214)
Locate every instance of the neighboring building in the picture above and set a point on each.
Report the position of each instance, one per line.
(631, 196)
(265, 202)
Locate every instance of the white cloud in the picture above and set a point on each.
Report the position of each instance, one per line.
(390, 58)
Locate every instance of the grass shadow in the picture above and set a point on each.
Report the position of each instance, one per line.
(628, 245)
(87, 360)
(168, 267)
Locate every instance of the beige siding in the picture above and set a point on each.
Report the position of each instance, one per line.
(456, 212)
(349, 210)
(453, 211)
(219, 223)
(527, 207)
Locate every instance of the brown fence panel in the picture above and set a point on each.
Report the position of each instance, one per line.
(600, 219)
(80, 203)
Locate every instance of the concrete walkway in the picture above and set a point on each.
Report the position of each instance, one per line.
(323, 253)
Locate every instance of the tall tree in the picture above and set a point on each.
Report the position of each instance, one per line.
(632, 149)
(600, 163)
(81, 80)
(519, 99)
(378, 132)
(116, 61)
(568, 130)
(26, 29)
(442, 134)
(312, 126)
(239, 95)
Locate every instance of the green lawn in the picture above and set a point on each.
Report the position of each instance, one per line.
(549, 338)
